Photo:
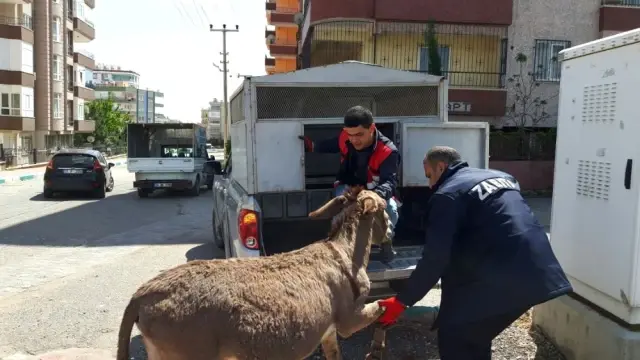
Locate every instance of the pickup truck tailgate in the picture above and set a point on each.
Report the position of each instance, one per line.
(161, 165)
(400, 268)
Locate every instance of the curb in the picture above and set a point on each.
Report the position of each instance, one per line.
(30, 177)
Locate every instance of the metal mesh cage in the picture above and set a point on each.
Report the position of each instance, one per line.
(330, 102)
(236, 105)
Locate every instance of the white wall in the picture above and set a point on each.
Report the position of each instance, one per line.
(16, 55)
(26, 97)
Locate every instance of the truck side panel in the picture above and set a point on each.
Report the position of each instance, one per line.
(279, 156)
(241, 154)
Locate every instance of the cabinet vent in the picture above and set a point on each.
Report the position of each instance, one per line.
(594, 178)
(599, 103)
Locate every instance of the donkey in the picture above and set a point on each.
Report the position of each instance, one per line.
(275, 307)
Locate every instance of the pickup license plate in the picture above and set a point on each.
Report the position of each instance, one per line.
(162, 185)
(72, 171)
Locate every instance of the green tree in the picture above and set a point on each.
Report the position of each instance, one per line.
(111, 123)
(433, 48)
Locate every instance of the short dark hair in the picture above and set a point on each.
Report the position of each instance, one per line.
(445, 154)
(358, 116)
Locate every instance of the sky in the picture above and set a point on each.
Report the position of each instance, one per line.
(169, 44)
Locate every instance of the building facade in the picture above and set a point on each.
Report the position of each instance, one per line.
(485, 49)
(212, 118)
(44, 37)
(142, 105)
(283, 17)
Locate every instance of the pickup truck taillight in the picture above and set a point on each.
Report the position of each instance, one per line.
(248, 229)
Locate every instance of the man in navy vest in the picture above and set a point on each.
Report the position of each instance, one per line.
(491, 254)
(368, 160)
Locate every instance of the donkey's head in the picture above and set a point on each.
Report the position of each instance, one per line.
(345, 212)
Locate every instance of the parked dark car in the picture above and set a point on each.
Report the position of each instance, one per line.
(78, 170)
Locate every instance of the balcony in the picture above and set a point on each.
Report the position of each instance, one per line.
(269, 35)
(619, 15)
(281, 15)
(85, 59)
(90, 3)
(269, 62)
(473, 58)
(83, 30)
(17, 28)
(8, 77)
(84, 93)
(84, 126)
(17, 123)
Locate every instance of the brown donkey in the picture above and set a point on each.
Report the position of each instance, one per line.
(277, 307)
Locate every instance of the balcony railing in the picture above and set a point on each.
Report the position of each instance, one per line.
(86, 53)
(470, 55)
(70, 50)
(630, 3)
(25, 21)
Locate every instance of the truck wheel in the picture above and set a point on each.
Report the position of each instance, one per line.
(143, 193)
(195, 190)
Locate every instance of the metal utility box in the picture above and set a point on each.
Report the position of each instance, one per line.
(595, 227)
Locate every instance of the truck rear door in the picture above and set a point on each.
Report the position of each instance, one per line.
(470, 139)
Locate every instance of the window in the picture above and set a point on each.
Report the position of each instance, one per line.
(27, 58)
(10, 104)
(57, 68)
(80, 111)
(443, 51)
(57, 30)
(546, 64)
(57, 106)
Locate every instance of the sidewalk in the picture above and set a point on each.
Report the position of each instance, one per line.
(36, 172)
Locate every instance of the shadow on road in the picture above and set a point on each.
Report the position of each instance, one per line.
(98, 222)
(206, 251)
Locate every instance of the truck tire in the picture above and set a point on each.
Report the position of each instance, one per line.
(143, 193)
(195, 190)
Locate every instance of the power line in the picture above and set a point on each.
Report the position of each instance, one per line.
(225, 72)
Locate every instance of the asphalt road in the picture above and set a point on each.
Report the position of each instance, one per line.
(68, 266)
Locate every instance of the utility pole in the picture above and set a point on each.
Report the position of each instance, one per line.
(225, 71)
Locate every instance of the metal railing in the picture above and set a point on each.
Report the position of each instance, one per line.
(520, 145)
(631, 3)
(86, 53)
(25, 21)
(470, 55)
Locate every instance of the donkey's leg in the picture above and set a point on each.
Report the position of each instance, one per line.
(330, 346)
(362, 318)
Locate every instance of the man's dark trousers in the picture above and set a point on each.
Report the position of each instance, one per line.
(472, 340)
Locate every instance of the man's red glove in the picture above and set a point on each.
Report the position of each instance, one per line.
(393, 310)
(308, 143)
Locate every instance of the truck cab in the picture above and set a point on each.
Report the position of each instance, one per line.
(269, 185)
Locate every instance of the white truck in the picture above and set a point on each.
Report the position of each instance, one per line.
(269, 184)
(167, 157)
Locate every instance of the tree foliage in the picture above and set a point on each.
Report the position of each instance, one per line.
(111, 123)
(433, 49)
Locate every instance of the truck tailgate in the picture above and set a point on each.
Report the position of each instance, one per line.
(400, 268)
(161, 164)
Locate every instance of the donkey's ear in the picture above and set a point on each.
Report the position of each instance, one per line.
(331, 208)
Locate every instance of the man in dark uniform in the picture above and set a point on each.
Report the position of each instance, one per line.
(367, 159)
(491, 254)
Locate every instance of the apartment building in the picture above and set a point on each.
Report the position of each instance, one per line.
(17, 75)
(283, 17)
(43, 37)
(479, 42)
(211, 117)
